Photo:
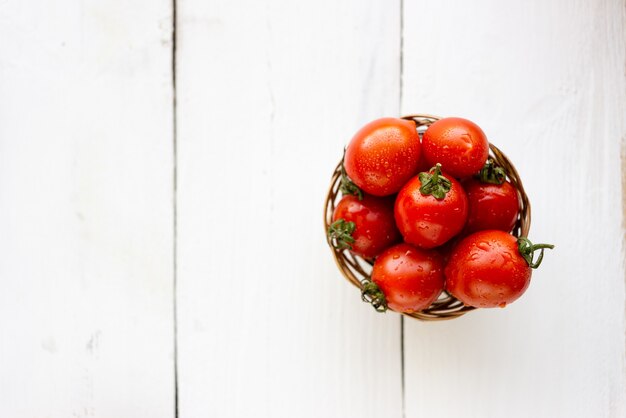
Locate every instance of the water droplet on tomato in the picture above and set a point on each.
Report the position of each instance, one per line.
(507, 256)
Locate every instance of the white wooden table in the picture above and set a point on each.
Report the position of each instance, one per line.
(161, 190)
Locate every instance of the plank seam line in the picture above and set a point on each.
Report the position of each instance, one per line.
(174, 205)
(402, 364)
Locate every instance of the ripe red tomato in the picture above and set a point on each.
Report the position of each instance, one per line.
(491, 268)
(459, 145)
(383, 155)
(365, 226)
(491, 206)
(430, 209)
(410, 279)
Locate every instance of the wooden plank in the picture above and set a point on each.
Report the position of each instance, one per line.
(86, 271)
(546, 82)
(268, 94)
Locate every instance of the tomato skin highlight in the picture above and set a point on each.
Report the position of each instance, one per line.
(410, 278)
(458, 144)
(491, 206)
(486, 270)
(383, 155)
(375, 228)
(427, 222)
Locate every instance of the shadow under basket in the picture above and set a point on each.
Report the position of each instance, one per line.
(356, 269)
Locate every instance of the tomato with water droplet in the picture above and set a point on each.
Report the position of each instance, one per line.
(383, 155)
(374, 225)
(459, 145)
(411, 279)
(426, 221)
(486, 270)
(491, 206)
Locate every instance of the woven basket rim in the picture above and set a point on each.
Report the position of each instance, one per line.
(355, 268)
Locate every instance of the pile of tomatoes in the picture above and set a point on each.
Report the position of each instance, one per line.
(434, 213)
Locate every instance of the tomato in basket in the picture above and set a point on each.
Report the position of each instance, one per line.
(406, 279)
(493, 201)
(431, 209)
(366, 227)
(383, 155)
(491, 268)
(459, 145)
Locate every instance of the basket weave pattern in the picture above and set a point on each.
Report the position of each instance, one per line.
(355, 269)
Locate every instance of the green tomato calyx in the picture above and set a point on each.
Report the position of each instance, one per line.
(340, 234)
(372, 294)
(434, 183)
(492, 173)
(527, 250)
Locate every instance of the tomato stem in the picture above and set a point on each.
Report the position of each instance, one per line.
(492, 173)
(340, 234)
(527, 250)
(434, 183)
(372, 294)
(347, 186)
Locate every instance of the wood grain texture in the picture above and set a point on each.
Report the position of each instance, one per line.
(268, 95)
(545, 80)
(86, 210)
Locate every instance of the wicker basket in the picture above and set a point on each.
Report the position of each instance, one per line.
(356, 269)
